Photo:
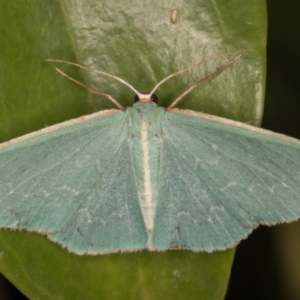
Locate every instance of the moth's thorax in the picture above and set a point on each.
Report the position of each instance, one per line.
(144, 121)
(148, 113)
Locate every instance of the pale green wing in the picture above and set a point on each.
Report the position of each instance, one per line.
(218, 180)
(75, 183)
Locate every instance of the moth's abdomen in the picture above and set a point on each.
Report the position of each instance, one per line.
(145, 145)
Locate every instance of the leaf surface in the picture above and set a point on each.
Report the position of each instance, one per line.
(142, 42)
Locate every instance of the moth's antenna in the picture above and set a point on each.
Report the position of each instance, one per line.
(95, 71)
(111, 98)
(207, 78)
(141, 95)
(191, 67)
(98, 72)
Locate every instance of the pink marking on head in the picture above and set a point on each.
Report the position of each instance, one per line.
(143, 98)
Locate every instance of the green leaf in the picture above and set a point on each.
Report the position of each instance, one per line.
(141, 42)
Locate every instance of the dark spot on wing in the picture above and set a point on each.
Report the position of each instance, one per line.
(78, 229)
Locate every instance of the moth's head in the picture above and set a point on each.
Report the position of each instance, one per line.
(145, 98)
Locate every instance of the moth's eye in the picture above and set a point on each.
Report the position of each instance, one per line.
(154, 98)
(136, 98)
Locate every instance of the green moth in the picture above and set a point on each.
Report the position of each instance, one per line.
(148, 177)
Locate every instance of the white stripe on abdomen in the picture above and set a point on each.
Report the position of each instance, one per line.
(147, 207)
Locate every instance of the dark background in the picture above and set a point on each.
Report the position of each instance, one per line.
(255, 272)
